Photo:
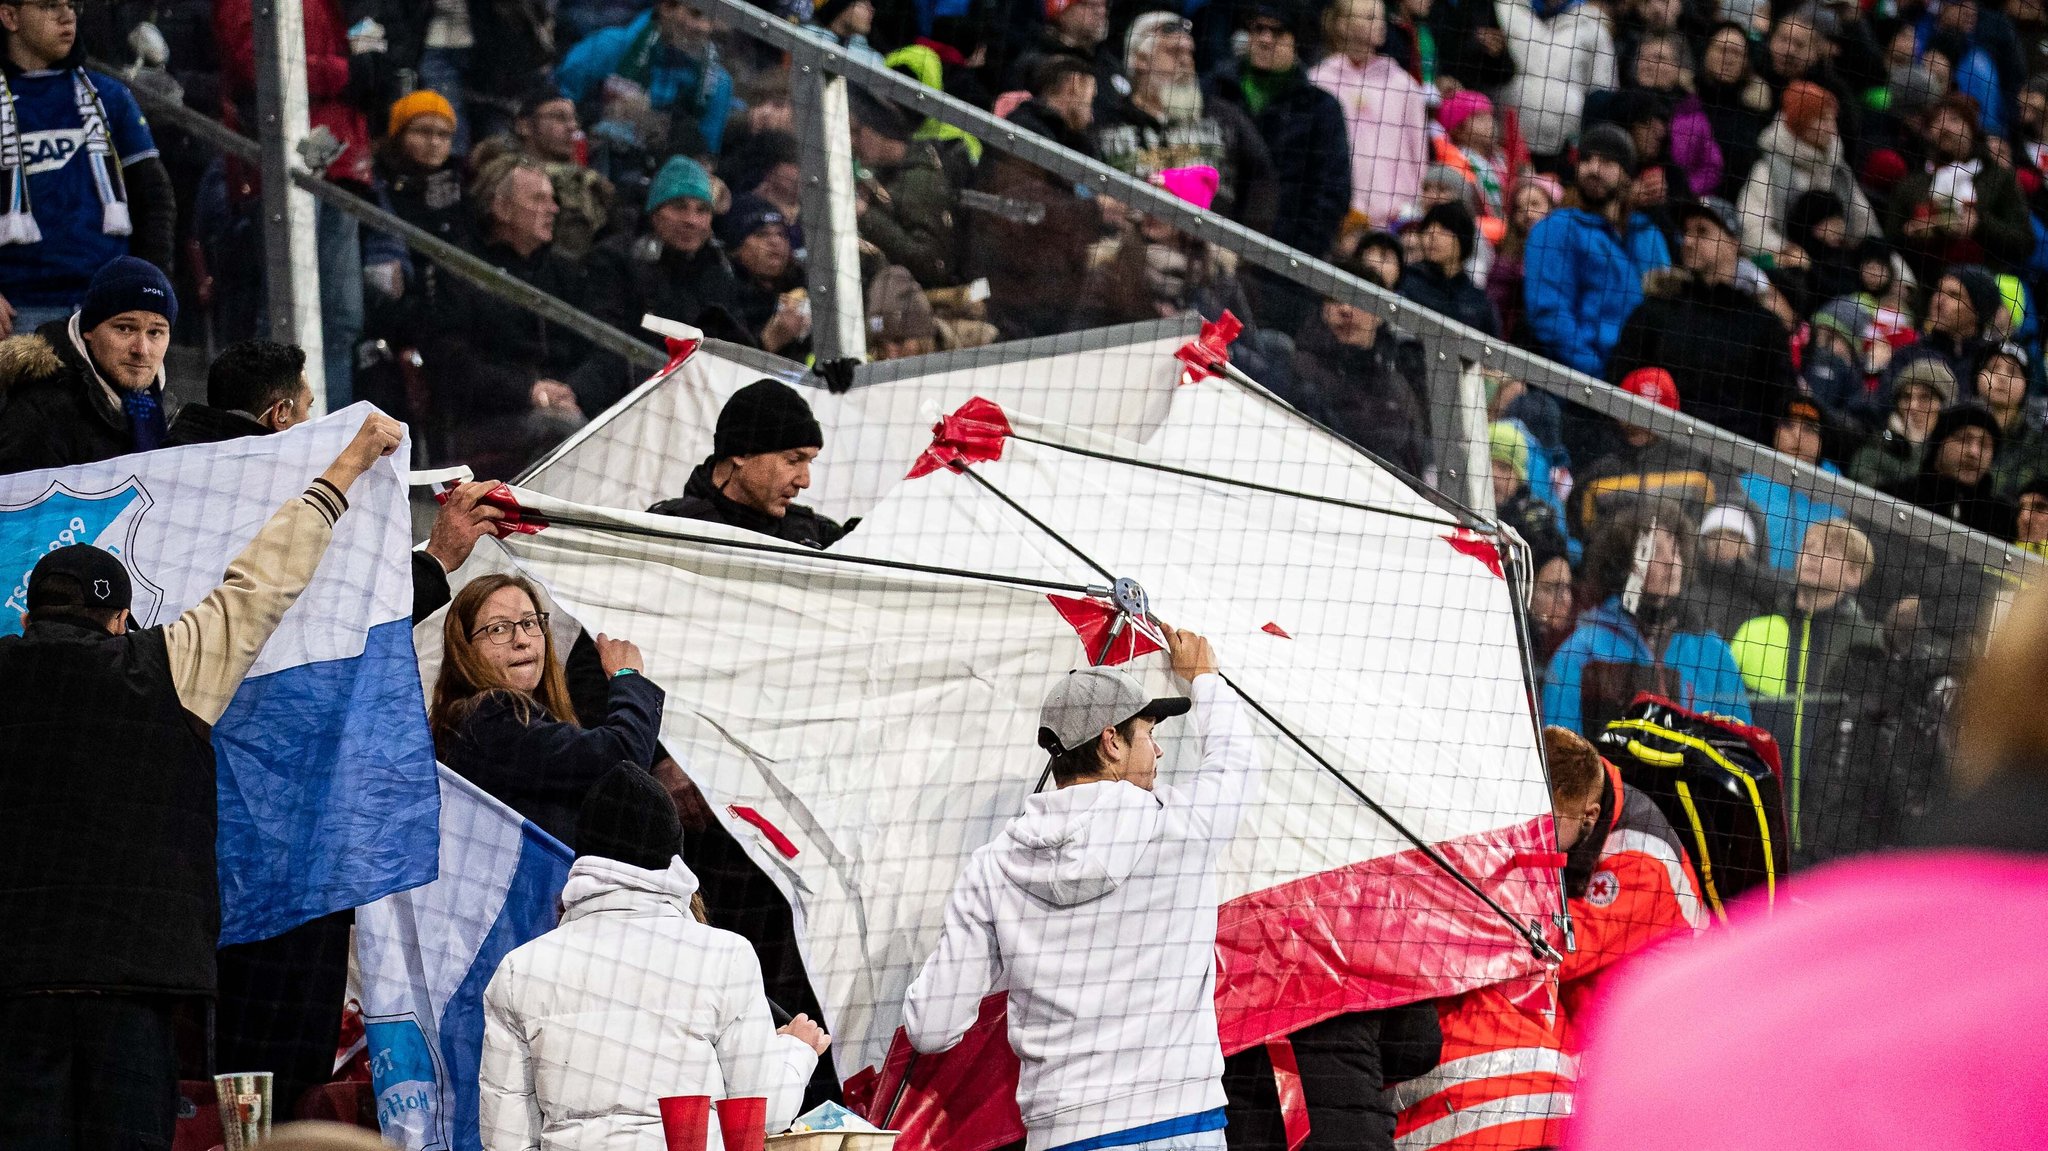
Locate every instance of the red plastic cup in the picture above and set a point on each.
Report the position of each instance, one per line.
(686, 1121)
(743, 1123)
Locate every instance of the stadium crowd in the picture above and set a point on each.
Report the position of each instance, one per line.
(1816, 226)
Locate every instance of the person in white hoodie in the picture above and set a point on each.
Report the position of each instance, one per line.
(630, 999)
(1562, 50)
(1096, 911)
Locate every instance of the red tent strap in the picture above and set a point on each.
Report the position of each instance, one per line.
(1293, 1100)
(772, 833)
(1092, 620)
(1206, 353)
(517, 519)
(1471, 543)
(678, 351)
(972, 435)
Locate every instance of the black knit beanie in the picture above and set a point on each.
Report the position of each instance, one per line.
(629, 817)
(765, 416)
(1457, 220)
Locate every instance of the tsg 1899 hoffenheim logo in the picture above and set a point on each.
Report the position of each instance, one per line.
(60, 517)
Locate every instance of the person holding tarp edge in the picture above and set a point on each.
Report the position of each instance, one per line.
(1096, 911)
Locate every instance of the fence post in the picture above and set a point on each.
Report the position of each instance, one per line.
(291, 255)
(831, 236)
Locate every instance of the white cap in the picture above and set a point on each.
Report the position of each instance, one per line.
(1729, 519)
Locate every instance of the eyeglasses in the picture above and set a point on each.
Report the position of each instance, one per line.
(500, 633)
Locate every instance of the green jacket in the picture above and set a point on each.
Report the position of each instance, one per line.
(912, 223)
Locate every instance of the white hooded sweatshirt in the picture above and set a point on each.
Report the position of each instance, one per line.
(629, 999)
(1096, 911)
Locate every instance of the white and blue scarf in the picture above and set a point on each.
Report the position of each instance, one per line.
(18, 226)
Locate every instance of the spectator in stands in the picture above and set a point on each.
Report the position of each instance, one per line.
(1360, 376)
(672, 269)
(1646, 464)
(91, 387)
(520, 35)
(1922, 389)
(655, 85)
(501, 713)
(1955, 474)
(1965, 207)
(1788, 509)
(760, 462)
(768, 297)
(1472, 51)
(1816, 641)
(1663, 66)
(1732, 586)
(254, 388)
(631, 997)
(906, 200)
(1506, 284)
(112, 903)
(1627, 876)
(1552, 609)
(1818, 262)
(1076, 30)
(418, 179)
(1642, 634)
(1515, 504)
(1438, 281)
(335, 63)
(2033, 516)
(2023, 442)
(1047, 912)
(1385, 111)
(1585, 263)
(1964, 320)
(1471, 143)
(847, 24)
(1561, 51)
(1302, 125)
(1031, 267)
(544, 131)
(1152, 270)
(1736, 101)
(1167, 123)
(1730, 356)
(900, 322)
(86, 182)
(497, 372)
(1801, 151)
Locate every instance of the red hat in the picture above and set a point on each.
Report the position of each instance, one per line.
(1053, 8)
(1654, 384)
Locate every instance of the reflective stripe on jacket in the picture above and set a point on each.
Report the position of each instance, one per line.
(1505, 1083)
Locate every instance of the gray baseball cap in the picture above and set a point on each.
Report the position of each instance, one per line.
(1084, 702)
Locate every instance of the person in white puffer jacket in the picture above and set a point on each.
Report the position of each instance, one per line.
(1096, 911)
(1559, 57)
(630, 999)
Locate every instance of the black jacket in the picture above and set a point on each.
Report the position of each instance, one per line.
(484, 356)
(1730, 356)
(1304, 131)
(204, 424)
(107, 805)
(1130, 140)
(1346, 1062)
(1370, 396)
(1973, 506)
(1032, 268)
(632, 276)
(701, 500)
(54, 411)
(1452, 297)
(1111, 85)
(542, 767)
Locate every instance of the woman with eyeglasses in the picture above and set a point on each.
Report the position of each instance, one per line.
(501, 714)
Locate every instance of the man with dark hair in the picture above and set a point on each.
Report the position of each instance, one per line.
(1032, 268)
(760, 461)
(1585, 264)
(90, 388)
(1438, 281)
(907, 199)
(253, 388)
(1076, 30)
(1096, 911)
(111, 901)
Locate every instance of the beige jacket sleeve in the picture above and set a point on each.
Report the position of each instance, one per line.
(215, 642)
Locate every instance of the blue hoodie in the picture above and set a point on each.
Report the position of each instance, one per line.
(1787, 512)
(1707, 678)
(672, 79)
(1581, 279)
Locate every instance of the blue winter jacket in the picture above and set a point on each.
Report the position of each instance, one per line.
(1706, 676)
(1581, 279)
(673, 79)
(1787, 512)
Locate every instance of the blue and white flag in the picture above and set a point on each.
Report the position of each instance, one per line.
(326, 767)
(425, 956)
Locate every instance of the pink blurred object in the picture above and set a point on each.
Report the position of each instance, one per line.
(1196, 185)
(1893, 1001)
(1009, 102)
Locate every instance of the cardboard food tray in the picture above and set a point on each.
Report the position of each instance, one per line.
(834, 1141)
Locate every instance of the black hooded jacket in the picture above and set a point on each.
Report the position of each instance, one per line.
(1730, 357)
(701, 500)
(54, 409)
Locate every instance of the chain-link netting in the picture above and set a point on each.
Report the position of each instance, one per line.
(1192, 577)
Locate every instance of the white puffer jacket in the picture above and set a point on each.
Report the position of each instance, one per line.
(1787, 168)
(628, 1000)
(1557, 61)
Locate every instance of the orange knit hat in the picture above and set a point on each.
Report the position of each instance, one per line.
(1807, 104)
(425, 102)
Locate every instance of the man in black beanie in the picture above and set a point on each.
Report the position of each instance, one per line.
(760, 461)
(1438, 281)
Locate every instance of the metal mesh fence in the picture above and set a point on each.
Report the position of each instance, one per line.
(1174, 580)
